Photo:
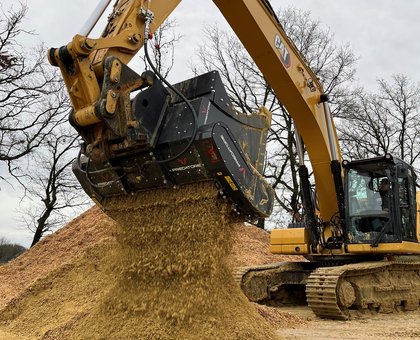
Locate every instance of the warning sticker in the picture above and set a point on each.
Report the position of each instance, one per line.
(231, 183)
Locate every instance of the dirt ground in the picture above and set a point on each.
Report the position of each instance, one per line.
(381, 326)
(399, 325)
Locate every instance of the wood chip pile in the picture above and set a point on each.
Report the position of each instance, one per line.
(159, 272)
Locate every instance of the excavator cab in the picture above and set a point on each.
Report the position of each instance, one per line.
(380, 201)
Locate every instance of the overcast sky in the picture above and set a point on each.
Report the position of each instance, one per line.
(383, 33)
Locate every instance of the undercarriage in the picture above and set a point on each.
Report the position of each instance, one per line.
(335, 291)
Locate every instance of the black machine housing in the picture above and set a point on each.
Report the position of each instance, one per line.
(228, 147)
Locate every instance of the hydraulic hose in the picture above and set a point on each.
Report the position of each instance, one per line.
(148, 19)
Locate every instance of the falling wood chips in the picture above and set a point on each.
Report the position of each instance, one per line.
(161, 271)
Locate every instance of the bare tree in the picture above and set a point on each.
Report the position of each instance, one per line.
(366, 130)
(385, 122)
(401, 100)
(333, 64)
(36, 142)
(249, 90)
(25, 80)
(52, 192)
(163, 47)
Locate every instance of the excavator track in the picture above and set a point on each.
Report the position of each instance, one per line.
(382, 286)
(277, 281)
(321, 293)
(239, 272)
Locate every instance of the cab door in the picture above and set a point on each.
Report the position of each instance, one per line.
(406, 203)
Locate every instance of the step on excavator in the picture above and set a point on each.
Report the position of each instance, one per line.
(360, 235)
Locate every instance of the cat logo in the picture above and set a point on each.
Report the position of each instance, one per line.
(284, 53)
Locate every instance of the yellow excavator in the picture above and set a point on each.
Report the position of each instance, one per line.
(361, 232)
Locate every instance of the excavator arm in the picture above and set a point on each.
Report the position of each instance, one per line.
(82, 60)
(100, 84)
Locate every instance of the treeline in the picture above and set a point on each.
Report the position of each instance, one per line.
(9, 251)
